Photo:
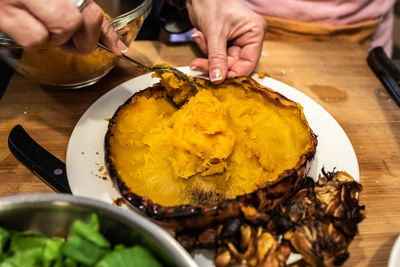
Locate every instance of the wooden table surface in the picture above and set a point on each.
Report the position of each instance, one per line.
(335, 75)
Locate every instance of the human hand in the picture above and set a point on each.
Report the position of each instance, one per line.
(34, 23)
(230, 34)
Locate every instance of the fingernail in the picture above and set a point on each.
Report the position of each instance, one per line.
(216, 75)
(195, 35)
(122, 47)
(194, 68)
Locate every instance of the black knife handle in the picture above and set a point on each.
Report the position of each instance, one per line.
(47, 167)
(386, 71)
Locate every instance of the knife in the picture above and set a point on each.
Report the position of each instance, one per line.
(386, 71)
(43, 164)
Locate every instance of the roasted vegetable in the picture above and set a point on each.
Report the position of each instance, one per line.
(328, 222)
(226, 146)
(318, 221)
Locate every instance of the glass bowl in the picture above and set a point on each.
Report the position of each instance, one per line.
(54, 214)
(54, 67)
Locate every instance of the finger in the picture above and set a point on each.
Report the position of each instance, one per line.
(199, 64)
(249, 54)
(26, 31)
(60, 18)
(200, 40)
(233, 57)
(217, 60)
(110, 38)
(242, 67)
(69, 47)
(86, 38)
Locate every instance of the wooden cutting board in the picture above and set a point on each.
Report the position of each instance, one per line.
(335, 75)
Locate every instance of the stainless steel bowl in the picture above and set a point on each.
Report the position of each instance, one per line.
(53, 215)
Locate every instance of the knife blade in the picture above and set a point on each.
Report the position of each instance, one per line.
(42, 163)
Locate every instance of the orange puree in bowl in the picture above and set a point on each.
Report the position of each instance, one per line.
(52, 66)
(56, 66)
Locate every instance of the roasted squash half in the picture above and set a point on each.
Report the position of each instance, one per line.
(196, 160)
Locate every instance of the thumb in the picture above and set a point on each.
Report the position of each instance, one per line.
(217, 59)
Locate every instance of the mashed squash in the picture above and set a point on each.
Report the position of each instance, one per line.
(225, 141)
(51, 65)
(201, 136)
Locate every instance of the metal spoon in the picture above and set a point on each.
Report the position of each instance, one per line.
(5, 41)
(159, 69)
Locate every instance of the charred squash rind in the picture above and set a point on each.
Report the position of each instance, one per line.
(190, 216)
(251, 83)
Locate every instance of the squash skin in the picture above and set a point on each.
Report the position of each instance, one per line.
(192, 217)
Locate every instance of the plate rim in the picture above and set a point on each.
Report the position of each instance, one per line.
(394, 257)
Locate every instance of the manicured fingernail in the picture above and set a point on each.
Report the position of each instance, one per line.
(216, 75)
(122, 47)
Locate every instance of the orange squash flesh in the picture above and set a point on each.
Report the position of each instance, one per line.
(225, 141)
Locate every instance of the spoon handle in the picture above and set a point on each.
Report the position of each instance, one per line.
(137, 63)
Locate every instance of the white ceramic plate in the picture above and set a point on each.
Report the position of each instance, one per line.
(394, 260)
(85, 154)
